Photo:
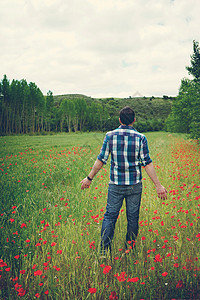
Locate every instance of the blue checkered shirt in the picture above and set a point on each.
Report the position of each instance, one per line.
(129, 151)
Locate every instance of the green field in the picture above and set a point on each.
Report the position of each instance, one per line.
(50, 228)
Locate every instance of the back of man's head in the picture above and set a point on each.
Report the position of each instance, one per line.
(127, 115)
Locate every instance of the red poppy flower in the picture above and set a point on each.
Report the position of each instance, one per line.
(2, 263)
(134, 279)
(164, 274)
(17, 285)
(21, 292)
(158, 258)
(23, 225)
(107, 269)
(38, 272)
(176, 265)
(113, 296)
(179, 284)
(15, 279)
(34, 266)
(92, 290)
(7, 269)
(37, 295)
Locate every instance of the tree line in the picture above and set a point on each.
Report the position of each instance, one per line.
(18, 104)
(25, 110)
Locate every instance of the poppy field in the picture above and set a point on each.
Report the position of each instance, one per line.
(50, 228)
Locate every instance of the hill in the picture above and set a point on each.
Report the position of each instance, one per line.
(145, 107)
(151, 112)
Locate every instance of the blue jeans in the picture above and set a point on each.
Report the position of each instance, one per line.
(116, 195)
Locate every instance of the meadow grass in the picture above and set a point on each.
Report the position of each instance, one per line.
(50, 228)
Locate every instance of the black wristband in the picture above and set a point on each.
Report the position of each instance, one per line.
(90, 179)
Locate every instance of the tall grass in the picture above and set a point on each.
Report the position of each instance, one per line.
(50, 228)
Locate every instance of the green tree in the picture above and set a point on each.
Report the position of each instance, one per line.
(6, 105)
(1, 109)
(14, 91)
(55, 120)
(194, 69)
(67, 108)
(49, 109)
(36, 103)
(195, 112)
(25, 107)
(81, 112)
(179, 119)
(185, 115)
(40, 109)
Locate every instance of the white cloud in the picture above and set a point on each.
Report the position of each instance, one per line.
(99, 48)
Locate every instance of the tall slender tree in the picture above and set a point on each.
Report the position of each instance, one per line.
(49, 109)
(81, 113)
(194, 69)
(24, 104)
(6, 111)
(68, 112)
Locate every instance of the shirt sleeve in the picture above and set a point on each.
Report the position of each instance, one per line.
(144, 152)
(104, 153)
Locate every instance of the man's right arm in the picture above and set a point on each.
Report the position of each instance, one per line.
(95, 169)
(161, 190)
(100, 161)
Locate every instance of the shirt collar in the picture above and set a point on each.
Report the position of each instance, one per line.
(126, 127)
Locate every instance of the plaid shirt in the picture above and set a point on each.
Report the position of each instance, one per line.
(129, 151)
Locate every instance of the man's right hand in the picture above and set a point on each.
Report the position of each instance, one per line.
(85, 183)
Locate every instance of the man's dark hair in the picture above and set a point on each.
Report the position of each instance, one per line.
(127, 115)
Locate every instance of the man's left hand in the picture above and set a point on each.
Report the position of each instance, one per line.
(161, 191)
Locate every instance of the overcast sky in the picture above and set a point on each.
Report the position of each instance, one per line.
(100, 48)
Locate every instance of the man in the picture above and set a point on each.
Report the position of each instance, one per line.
(129, 151)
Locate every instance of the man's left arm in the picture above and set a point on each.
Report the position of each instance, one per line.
(149, 168)
(95, 169)
(161, 190)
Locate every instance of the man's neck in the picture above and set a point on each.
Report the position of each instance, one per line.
(130, 125)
